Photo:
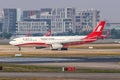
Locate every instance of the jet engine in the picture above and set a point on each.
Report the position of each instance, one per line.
(56, 46)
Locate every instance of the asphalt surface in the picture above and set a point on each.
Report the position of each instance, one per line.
(48, 59)
(81, 76)
(78, 62)
(106, 62)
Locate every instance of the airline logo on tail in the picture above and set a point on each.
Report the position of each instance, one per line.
(99, 29)
(97, 32)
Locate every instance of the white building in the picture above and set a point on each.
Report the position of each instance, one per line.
(86, 20)
(34, 26)
(59, 20)
(113, 25)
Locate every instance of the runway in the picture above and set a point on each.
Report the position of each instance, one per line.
(70, 76)
(62, 59)
(91, 62)
(78, 62)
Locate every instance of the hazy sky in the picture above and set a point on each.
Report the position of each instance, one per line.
(110, 9)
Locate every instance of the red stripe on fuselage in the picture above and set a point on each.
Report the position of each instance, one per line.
(34, 44)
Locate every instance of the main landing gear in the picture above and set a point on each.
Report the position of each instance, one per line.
(19, 48)
(62, 49)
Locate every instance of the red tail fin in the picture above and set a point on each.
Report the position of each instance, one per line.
(48, 33)
(97, 32)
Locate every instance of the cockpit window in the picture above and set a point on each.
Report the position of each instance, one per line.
(13, 40)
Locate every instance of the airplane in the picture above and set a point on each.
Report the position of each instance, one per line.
(60, 42)
(47, 34)
(28, 35)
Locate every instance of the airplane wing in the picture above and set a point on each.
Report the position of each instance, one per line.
(79, 41)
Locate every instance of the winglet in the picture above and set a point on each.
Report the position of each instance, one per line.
(105, 36)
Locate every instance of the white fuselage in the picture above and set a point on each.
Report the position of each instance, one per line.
(46, 40)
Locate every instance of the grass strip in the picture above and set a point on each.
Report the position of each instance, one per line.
(60, 78)
(26, 68)
(33, 68)
(63, 55)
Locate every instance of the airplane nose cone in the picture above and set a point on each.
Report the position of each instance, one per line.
(11, 42)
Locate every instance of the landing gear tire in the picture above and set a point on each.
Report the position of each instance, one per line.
(64, 48)
(60, 49)
(54, 49)
(19, 48)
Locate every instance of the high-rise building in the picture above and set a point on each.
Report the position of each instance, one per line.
(30, 14)
(34, 26)
(86, 20)
(10, 18)
(59, 20)
(34, 21)
(63, 20)
(1, 20)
